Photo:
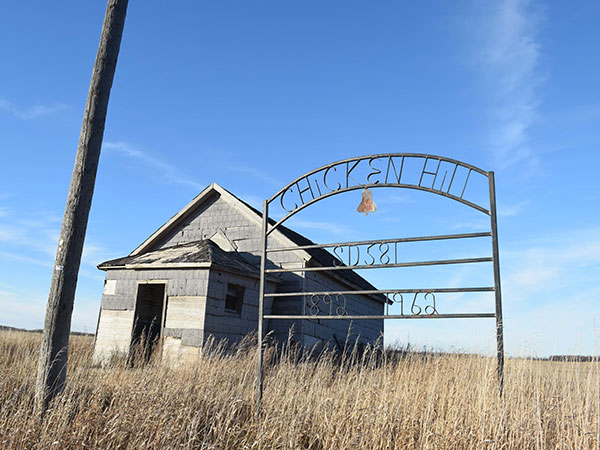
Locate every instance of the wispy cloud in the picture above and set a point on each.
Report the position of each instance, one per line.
(42, 237)
(231, 162)
(10, 233)
(510, 58)
(20, 311)
(549, 293)
(395, 199)
(94, 254)
(32, 112)
(472, 225)
(33, 241)
(552, 269)
(254, 200)
(24, 307)
(513, 209)
(20, 257)
(329, 227)
(257, 174)
(168, 171)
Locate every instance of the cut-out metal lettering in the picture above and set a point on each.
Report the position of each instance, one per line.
(391, 165)
(326, 304)
(439, 175)
(385, 170)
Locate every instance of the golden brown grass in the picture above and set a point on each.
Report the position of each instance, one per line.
(446, 402)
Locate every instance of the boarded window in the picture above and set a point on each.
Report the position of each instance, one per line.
(110, 287)
(234, 298)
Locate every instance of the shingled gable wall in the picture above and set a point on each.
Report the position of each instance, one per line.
(243, 230)
(221, 214)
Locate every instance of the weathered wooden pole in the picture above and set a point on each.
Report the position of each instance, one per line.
(52, 365)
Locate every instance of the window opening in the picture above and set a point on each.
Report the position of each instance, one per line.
(234, 298)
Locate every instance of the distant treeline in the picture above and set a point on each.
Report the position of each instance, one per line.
(574, 358)
(7, 328)
(397, 353)
(562, 358)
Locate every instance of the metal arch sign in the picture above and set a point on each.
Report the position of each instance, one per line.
(435, 174)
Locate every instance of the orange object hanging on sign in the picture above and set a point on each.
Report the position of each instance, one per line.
(367, 204)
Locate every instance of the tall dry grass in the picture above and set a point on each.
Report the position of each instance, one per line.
(446, 402)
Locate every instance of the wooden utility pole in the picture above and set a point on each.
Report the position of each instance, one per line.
(52, 366)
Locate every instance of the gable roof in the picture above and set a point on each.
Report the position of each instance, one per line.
(282, 233)
(195, 254)
(319, 255)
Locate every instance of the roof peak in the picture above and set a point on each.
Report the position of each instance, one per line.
(287, 236)
(204, 195)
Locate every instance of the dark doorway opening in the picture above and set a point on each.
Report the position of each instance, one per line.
(148, 320)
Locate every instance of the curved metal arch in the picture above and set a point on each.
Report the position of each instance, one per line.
(427, 157)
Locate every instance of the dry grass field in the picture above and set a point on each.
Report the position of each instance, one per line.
(436, 402)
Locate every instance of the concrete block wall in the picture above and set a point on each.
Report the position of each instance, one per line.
(114, 334)
(124, 285)
(233, 326)
(218, 214)
(334, 332)
(184, 319)
(200, 294)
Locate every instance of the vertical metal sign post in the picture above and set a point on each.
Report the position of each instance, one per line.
(429, 173)
(261, 299)
(497, 288)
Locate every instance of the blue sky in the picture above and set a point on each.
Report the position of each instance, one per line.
(253, 94)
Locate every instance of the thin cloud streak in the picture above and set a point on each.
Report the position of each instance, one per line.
(34, 241)
(169, 172)
(31, 113)
(322, 226)
(42, 238)
(510, 60)
(546, 268)
(257, 174)
(19, 257)
(253, 200)
(19, 312)
(549, 288)
(510, 210)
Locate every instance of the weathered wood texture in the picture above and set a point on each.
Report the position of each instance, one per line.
(52, 366)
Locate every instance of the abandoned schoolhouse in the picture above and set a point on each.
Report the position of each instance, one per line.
(198, 276)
